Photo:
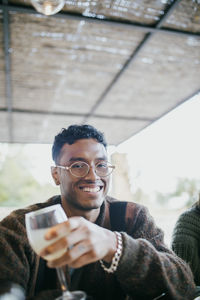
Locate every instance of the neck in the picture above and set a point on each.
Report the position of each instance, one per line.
(90, 215)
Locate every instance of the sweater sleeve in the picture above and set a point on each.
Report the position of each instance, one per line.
(186, 241)
(147, 265)
(18, 262)
(16, 257)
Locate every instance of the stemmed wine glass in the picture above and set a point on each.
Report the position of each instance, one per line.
(37, 224)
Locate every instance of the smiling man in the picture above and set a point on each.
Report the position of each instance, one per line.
(86, 187)
(113, 249)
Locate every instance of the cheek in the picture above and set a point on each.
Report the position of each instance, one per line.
(107, 185)
(67, 185)
(64, 183)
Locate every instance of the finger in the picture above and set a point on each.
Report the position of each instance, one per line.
(57, 230)
(83, 260)
(54, 247)
(68, 241)
(77, 236)
(63, 228)
(70, 256)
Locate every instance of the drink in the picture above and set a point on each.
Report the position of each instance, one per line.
(38, 242)
(37, 224)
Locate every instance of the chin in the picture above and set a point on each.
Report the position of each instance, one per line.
(90, 205)
(87, 208)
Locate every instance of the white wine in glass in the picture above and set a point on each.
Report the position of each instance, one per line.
(37, 224)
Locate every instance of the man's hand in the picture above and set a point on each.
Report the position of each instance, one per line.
(84, 242)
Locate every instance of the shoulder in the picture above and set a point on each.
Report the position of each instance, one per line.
(130, 205)
(187, 225)
(110, 199)
(190, 216)
(134, 212)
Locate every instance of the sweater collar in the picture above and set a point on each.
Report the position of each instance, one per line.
(103, 218)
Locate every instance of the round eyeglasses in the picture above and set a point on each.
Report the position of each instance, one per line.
(81, 168)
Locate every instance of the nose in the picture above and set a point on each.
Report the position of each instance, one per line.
(92, 175)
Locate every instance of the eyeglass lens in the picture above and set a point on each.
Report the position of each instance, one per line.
(80, 169)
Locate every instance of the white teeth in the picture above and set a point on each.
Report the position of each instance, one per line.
(92, 190)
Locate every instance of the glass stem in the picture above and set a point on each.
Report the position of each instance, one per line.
(62, 279)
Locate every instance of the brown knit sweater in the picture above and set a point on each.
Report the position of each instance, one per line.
(146, 270)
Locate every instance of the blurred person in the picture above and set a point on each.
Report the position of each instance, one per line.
(186, 239)
(114, 250)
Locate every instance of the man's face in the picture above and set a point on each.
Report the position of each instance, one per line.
(88, 192)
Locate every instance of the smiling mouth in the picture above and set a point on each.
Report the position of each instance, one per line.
(91, 189)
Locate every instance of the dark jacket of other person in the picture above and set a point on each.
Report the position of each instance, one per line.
(186, 239)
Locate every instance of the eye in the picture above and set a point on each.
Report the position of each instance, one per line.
(102, 165)
(78, 165)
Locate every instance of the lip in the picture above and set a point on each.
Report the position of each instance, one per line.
(91, 188)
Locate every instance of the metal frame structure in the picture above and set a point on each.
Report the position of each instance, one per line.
(149, 30)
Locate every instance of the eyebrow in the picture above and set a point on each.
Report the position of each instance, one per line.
(83, 159)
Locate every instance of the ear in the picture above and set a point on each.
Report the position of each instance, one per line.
(55, 175)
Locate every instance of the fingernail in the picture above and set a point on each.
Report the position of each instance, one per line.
(43, 253)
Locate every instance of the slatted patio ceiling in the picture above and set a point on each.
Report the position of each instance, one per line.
(118, 65)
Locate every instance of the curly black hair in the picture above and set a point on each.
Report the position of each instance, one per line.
(73, 133)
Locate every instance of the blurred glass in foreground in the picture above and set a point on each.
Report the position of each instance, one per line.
(11, 291)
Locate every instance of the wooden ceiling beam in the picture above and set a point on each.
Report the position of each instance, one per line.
(109, 22)
(8, 89)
